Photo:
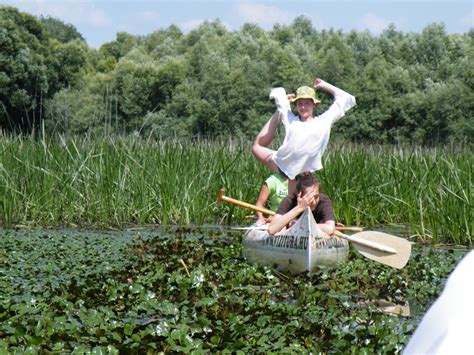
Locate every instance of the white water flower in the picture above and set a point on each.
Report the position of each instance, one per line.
(162, 329)
(198, 279)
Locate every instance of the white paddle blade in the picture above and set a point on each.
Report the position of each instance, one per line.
(401, 246)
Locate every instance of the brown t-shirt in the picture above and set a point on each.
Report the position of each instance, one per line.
(322, 213)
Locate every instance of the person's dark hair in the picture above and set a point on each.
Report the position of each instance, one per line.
(304, 181)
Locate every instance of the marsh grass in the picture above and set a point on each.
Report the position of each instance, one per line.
(429, 189)
(130, 180)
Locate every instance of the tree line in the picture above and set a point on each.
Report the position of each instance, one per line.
(410, 87)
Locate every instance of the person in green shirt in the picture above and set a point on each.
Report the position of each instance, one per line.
(273, 191)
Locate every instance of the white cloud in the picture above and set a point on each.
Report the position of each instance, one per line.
(374, 23)
(97, 18)
(468, 19)
(263, 15)
(316, 20)
(190, 25)
(68, 11)
(148, 16)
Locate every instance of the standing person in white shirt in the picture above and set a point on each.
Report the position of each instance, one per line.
(306, 135)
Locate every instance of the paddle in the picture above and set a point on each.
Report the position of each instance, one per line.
(378, 246)
(382, 247)
(221, 197)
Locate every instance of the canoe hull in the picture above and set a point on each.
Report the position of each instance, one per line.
(290, 252)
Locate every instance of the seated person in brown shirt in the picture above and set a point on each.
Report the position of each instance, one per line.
(307, 194)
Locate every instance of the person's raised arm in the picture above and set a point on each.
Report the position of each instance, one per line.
(343, 101)
(320, 84)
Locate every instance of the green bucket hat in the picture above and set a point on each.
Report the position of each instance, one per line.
(305, 92)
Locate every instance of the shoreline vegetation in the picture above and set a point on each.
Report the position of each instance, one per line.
(128, 180)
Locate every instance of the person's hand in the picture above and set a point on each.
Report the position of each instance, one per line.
(291, 223)
(317, 83)
(260, 221)
(306, 199)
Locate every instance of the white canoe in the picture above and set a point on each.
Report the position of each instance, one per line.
(290, 252)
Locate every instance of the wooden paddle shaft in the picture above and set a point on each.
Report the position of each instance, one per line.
(366, 243)
(351, 229)
(221, 197)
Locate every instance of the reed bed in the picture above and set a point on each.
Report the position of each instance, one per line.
(117, 181)
(427, 189)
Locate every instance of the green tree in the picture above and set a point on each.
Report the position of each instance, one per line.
(137, 87)
(335, 62)
(408, 49)
(107, 64)
(226, 105)
(433, 46)
(90, 107)
(362, 45)
(66, 63)
(120, 47)
(303, 28)
(23, 73)
(284, 66)
(76, 111)
(373, 98)
(164, 43)
(57, 29)
(389, 43)
(282, 34)
(446, 107)
(207, 29)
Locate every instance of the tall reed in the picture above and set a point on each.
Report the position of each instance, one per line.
(130, 180)
(429, 189)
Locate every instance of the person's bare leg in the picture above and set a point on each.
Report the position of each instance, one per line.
(264, 155)
(266, 134)
(263, 139)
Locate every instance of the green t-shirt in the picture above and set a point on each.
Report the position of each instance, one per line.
(278, 188)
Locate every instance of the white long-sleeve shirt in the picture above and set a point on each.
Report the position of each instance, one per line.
(305, 142)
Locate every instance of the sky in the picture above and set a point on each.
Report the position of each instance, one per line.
(98, 21)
